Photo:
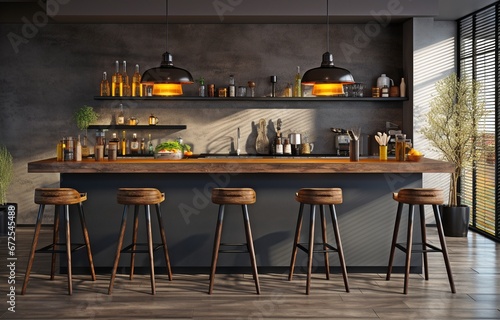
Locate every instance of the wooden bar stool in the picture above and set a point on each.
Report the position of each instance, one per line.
(138, 197)
(239, 196)
(59, 197)
(320, 197)
(420, 197)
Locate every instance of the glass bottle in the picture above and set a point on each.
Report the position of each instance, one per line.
(60, 150)
(297, 86)
(105, 85)
(136, 83)
(117, 82)
(134, 144)
(232, 86)
(143, 146)
(85, 148)
(78, 150)
(201, 89)
(287, 147)
(125, 79)
(279, 146)
(121, 116)
(150, 145)
(124, 143)
(114, 139)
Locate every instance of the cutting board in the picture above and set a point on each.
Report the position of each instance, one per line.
(262, 143)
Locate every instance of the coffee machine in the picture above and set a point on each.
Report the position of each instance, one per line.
(340, 142)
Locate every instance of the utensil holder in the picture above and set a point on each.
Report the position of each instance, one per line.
(354, 150)
(382, 152)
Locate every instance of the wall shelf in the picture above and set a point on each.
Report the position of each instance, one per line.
(138, 127)
(277, 99)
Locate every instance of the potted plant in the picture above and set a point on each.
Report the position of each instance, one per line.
(7, 210)
(84, 117)
(452, 129)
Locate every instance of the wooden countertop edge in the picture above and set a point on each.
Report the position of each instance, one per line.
(272, 165)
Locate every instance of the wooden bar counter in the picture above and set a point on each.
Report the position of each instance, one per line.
(366, 218)
(241, 165)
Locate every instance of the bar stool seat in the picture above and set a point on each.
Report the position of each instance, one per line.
(59, 197)
(320, 197)
(137, 197)
(420, 197)
(233, 196)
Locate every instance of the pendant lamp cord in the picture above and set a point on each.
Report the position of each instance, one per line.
(327, 27)
(166, 23)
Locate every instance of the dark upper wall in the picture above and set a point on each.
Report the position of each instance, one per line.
(59, 69)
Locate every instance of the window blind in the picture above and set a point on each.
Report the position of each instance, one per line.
(479, 58)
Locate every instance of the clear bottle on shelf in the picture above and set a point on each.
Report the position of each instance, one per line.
(120, 120)
(150, 145)
(105, 90)
(78, 150)
(201, 88)
(232, 86)
(117, 82)
(143, 146)
(136, 83)
(125, 79)
(297, 86)
(134, 144)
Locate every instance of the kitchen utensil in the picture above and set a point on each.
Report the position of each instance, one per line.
(262, 142)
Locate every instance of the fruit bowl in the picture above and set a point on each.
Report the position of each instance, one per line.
(415, 157)
(169, 155)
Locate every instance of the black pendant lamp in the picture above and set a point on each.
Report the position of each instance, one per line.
(328, 80)
(166, 79)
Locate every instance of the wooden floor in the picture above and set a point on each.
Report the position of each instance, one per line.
(475, 263)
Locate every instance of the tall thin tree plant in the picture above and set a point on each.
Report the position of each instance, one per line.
(452, 125)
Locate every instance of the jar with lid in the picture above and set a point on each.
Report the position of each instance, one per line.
(69, 149)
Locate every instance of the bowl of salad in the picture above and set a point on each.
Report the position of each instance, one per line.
(171, 150)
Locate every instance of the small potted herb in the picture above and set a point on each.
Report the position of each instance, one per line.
(84, 117)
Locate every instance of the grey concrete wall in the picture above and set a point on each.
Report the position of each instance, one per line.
(53, 70)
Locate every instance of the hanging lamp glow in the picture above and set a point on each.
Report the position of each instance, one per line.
(166, 79)
(328, 80)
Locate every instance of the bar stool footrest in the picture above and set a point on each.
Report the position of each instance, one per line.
(329, 246)
(223, 250)
(128, 249)
(431, 247)
(51, 248)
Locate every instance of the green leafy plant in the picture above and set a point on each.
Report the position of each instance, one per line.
(85, 116)
(6, 171)
(452, 126)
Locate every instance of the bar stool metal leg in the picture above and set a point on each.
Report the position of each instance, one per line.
(424, 241)
(55, 239)
(295, 242)
(409, 246)
(87, 240)
(250, 246)
(164, 241)
(215, 253)
(394, 240)
(325, 241)
(134, 241)
(68, 249)
(444, 248)
(310, 247)
(33, 247)
(150, 248)
(340, 249)
(118, 249)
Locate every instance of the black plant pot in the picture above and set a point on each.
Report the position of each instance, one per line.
(8, 213)
(455, 220)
